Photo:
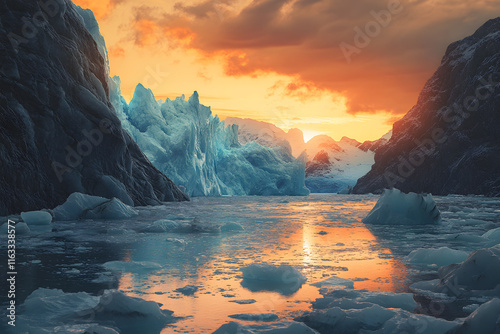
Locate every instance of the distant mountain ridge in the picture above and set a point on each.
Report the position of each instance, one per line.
(448, 143)
(332, 166)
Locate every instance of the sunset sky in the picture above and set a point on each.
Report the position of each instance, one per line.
(281, 61)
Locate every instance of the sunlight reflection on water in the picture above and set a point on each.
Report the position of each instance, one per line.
(276, 231)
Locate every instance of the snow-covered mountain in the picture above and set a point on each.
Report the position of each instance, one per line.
(331, 166)
(184, 140)
(59, 133)
(448, 143)
(267, 134)
(335, 166)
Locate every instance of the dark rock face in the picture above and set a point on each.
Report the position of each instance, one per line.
(59, 133)
(449, 143)
(319, 165)
(372, 145)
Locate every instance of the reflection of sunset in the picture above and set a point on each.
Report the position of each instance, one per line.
(284, 233)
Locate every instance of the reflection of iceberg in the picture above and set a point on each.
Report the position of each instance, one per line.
(197, 151)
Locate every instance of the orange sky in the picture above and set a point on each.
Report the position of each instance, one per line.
(281, 61)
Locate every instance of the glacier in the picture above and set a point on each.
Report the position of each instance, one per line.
(202, 155)
(198, 152)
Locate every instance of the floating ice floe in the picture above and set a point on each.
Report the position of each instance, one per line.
(160, 226)
(188, 290)
(335, 281)
(353, 299)
(20, 228)
(397, 208)
(243, 301)
(265, 317)
(132, 266)
(232, 227)
(480, 271)
(436, 256)
(282, 327)
(284, 278)
(82, 206)
(36, 217)
(49, 310)
(492, 236)
(350, 311)
(177, 242)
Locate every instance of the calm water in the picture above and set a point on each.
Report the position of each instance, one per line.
(276, 230)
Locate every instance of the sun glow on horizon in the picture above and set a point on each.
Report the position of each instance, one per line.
(272, 72)
(309, 134)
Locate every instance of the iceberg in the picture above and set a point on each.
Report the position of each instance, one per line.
(194, 148)
(198, 152)
(284, 278)
(36, 217)
(265, 317)
(188, 290)
(21, 228)
(47, 310)
(335, 281)
(397, 208)
(288, 327)
(82, 206)
(436, 256)
(480, 271)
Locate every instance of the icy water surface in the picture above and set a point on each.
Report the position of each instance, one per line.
(321, 235)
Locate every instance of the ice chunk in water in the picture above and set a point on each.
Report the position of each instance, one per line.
(485, 319)
(36, 217)
(397, 208)
(480, 271)
(160, 226)
(335, 281)
(438, 256)
(132, 266)
(232, 227)
(82, 206)
(112, 209)
(284, 278)
(283, 327)
(21, 228)
(266, 317)
(45, 310)
(493, 235)
(188, 290)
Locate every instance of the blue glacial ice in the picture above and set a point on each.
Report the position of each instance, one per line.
(82, 206)
(198, 152)
(397, 208)
(194, 148)
(36, 217)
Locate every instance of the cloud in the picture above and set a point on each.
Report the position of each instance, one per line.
(101, 8)
(302, 38)
(116, 51)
